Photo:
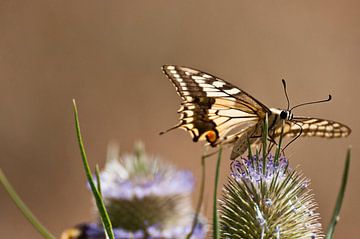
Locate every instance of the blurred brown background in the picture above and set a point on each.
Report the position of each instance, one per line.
(107, 55)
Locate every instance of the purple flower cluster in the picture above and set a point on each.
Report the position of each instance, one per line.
(252, 169)
(119, 183)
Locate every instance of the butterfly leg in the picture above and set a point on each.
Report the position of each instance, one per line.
(270, 139)
(273, 143)
(270, 147)
(297, 136)
(206, 154)
(242, 143)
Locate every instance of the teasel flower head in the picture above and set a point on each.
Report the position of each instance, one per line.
(266, 199)
(145, 198)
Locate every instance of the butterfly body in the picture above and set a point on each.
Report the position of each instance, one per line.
(221, 113)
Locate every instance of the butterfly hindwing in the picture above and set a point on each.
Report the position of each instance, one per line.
(211, 107)
(307, 126)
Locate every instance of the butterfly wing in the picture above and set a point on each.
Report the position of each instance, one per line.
(212, 108)
(307, 126)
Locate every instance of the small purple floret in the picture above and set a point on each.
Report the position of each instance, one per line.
(180, 182)
(252, 169)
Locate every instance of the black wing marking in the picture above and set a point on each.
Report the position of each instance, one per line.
(308, 126)
(212, 104)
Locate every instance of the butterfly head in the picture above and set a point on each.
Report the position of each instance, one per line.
(286, 115)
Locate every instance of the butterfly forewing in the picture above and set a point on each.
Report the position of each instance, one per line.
(210, 104)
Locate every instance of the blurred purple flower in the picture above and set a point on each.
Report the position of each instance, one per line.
(96, 231)
(145, 198)
(120, 179)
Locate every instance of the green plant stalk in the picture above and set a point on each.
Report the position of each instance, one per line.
(97, 174)
(201, 197)
(216, 226)
(278, 149)
(98, 199)
(265, 138)
(340, 197)
(23, 208)
(98, 185)
(250, 156)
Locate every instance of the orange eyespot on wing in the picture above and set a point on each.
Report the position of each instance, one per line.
(211, 136)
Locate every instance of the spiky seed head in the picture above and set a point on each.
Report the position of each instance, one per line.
(266, 199)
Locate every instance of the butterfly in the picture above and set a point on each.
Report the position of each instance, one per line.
(220, 113)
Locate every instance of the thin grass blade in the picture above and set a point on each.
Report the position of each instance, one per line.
(98, 199)
(340, 197)
(23, 208)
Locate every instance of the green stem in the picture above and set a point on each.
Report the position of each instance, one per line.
(98, 182)
(216, 229)
(340, 197)
(23, 208)
(201, 197)
(98, 199)
(265, 138)
(278, 149)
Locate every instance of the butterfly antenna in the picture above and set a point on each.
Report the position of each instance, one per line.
(286, 95)
(312, 102)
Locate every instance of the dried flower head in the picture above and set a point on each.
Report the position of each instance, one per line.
(267, 200)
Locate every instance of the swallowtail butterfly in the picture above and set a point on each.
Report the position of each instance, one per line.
(221, 113)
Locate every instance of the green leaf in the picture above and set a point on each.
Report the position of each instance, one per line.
(23, 208)
(97, 195)
(340, 197)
